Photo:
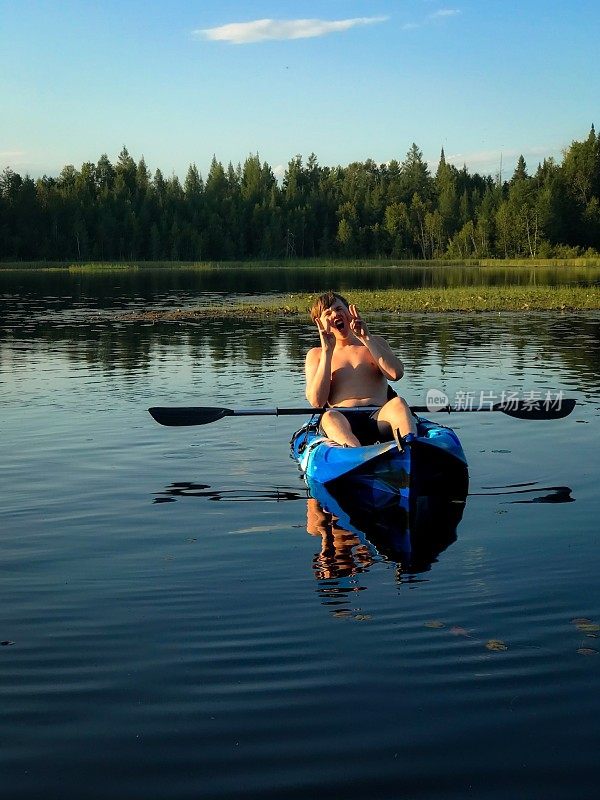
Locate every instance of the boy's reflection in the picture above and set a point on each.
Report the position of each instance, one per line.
(342, 553)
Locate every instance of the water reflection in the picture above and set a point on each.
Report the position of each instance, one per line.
(542, 494)
(354, 536)
(178, 286)
(413, 538)
(450, 341)
(342, 553)
(190, 489)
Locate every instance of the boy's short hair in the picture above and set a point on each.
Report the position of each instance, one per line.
(324, 302)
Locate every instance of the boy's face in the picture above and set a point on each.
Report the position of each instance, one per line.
(337, 317)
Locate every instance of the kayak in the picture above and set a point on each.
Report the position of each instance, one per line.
(407, 502)
(433, 462)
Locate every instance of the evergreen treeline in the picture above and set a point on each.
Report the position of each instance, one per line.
(121, 212)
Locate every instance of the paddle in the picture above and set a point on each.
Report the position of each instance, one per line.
(203, 415)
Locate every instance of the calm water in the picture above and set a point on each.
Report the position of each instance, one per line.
(181, 287)
(172, 629)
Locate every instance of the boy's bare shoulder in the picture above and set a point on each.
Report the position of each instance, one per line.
(313, 354)
(377, 338)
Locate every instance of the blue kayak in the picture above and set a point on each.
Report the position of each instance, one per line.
(432, 464)
(405, 503)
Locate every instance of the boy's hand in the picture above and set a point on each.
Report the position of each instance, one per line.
(357, 326)
(327, 337)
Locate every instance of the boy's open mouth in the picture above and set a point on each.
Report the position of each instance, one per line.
(339, 324)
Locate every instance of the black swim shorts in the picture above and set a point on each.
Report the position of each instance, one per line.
(364, 425)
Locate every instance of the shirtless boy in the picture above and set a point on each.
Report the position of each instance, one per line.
(350, 369)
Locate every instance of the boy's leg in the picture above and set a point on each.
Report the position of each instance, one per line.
(336, 426)
(396, 417)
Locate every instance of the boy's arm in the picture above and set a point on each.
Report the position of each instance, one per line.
(318, 376)
(318, 367)
(389, 364)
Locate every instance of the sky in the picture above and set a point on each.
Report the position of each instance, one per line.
(180, 81)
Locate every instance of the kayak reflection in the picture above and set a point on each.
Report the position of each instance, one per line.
(359, 527)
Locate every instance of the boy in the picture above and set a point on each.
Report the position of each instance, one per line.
(350, 369)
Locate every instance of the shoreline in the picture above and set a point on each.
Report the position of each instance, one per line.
(132, 265)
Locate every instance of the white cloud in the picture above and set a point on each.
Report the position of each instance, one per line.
(481, 157)
(261, 30)
(445, 12)
(17, 160)
(430, 19)
(16, 154)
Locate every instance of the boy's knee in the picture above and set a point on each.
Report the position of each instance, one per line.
(397, 404)
(330, 418)
(397, 411)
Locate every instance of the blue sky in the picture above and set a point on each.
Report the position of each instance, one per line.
(179, 81)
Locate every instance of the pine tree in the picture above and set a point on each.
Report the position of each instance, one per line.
(414, 175)
(520, 173)
(447, 196)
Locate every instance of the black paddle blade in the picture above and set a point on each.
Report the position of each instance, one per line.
(192, 415)
(536, 409)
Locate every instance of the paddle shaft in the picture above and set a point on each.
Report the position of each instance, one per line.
(203, 415)
(304, 411)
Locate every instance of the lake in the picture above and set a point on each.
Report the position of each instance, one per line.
(171, 630)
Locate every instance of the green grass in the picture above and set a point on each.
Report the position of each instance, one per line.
(582, 261)
(481, 298)
(99, 266)
(471, 299)
(100, 269)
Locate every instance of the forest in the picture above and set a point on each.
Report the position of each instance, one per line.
(398, 210)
